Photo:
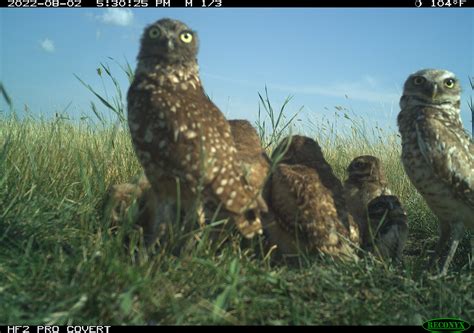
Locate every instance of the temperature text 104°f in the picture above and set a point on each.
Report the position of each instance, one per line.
(447, 3)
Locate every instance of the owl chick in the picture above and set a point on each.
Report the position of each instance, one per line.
(438, 154)
(365, 182)
(181, 138)
(307, 203)
(388, 227)
(121, 196)
(150, 213)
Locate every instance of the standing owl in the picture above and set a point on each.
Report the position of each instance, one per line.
(438, 154)
(388, 227)
(307, 204)
(153, 214)
(366, 181)
(181, 138)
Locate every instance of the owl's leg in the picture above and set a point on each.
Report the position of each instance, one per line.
(444, 235)
(154, 217)
(472, 251)
(457, 234)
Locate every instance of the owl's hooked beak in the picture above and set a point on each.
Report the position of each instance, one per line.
(434, 90)
(397, 213)
(170, 45)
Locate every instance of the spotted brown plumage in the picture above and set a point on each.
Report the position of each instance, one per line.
(179, 134)
(250, 153)
(153, 213)
(308, 210)
(366, 181)
(438, 154)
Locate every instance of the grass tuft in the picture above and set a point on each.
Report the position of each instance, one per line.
(61, 264)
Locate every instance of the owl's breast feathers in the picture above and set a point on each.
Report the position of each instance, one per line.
(189, 137)
(445, 147)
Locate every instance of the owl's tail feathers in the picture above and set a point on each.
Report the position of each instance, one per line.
(249, 224)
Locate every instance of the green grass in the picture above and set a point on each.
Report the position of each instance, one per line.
(61, 264)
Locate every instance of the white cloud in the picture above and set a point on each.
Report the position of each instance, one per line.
(353, 90)
(364, 90)
(371, 80)
(118, 16)
(47, 45)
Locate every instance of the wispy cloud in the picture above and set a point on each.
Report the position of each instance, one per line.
(365, 89)
(372, 81)
(98, 34)
(117, 16)
(47, 45)
(353, 90)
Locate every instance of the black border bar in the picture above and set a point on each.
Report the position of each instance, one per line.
(444, 4)
(152, 328)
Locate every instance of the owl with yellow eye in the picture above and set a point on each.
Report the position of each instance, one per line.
(438, 154)
(181, 138)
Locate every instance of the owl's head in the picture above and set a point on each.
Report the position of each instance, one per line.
(365, 167)
(168, 41)
(433, 86)
(388, 207)
(299, 149)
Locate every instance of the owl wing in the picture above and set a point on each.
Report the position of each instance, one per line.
(223, 171)
(254, 160)
(305, 208)
(300, 200)
(450, 152)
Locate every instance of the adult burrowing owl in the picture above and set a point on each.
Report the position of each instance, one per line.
(366, 181)
(388, 227)
(153, 214)
(181, 138)
(437, 153)
(307, 203)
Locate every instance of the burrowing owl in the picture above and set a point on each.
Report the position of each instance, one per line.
(388, 228)
(438, 154)
(307, 202)
(152, 213)
(181, 138)
(365, 181)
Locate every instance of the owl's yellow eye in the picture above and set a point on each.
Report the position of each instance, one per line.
(449, 83)
(418, 80)
(154, 32)
(186, 37)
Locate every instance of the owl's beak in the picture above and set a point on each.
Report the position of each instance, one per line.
(170, 45)
(398, 213)
(434, 90)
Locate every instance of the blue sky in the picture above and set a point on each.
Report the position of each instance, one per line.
(355, 58)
